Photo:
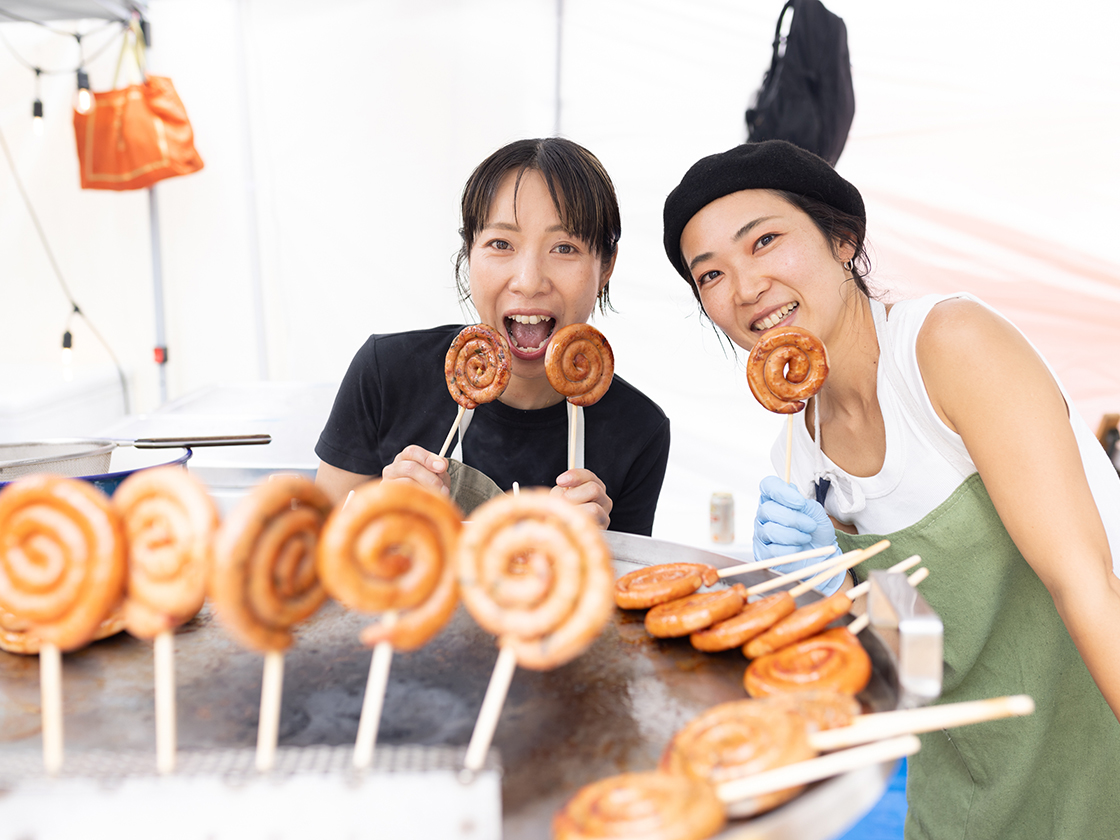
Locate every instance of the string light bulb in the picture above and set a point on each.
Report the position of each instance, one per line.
(37, 107)
(67, 355)
(84, 97)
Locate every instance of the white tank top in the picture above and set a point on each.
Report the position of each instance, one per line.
(925, 460)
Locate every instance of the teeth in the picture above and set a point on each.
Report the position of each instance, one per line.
(774, 317)
(529, 319)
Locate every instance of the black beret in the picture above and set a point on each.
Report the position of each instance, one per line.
(766, 165)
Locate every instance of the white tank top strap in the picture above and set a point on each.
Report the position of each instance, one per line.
(910, 401)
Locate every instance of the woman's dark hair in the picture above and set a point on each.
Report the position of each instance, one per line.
(581, 191)
(837, 227)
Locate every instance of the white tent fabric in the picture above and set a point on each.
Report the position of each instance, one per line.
(984, 143)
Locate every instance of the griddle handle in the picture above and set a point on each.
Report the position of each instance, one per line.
(215, 440)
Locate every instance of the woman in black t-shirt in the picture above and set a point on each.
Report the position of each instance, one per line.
(540, 230)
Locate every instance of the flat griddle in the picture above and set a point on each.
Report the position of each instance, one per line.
(611, 710)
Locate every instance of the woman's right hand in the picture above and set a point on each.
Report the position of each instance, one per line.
(787, 522)
(419, 465)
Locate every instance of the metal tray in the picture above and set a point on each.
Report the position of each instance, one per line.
(611, 710)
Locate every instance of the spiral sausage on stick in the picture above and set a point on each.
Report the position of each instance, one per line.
(62, 558)
(738, 739)
(695, 612)
(649, 806)
(534, 571)
(264, 581)
(477, 371)
(579, 364)
(786, 366)
(477, 366)
(62, 574)
(833, 660)
(652, 585)
(169, 521)
(390, 550)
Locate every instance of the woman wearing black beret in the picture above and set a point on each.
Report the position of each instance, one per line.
(940, 427)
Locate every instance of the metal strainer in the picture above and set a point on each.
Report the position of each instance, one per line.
(78, 457)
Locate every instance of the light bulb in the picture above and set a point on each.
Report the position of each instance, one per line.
(84, 100)
(37, 117)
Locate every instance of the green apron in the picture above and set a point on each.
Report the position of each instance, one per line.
(1054, 775)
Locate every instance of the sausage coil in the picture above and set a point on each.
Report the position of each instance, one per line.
(755, 617)
(169, 522)
(800, 624)
(579, 364)
(785, 367)
(477, 366)
(833, 660)
(645, 806)
(62, 558)
(391, 547)
(645, 588)
(694, 612)
(534, 571)
(737, 739)
(263, 579)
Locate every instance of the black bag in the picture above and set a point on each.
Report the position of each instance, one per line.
(806, 96)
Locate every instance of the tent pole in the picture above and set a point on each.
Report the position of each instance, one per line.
(157, 294)
(559, 66)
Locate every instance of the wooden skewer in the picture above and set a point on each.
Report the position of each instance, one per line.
(856, 626)
(575, 418)
(268, 727)
(789, 445)
(374, 700)
(454, 428)
(50, 691)
(743, 568)
(821, 767)
(827, 569)
(875, 727)
(164, 651)
(904, 566)
(491, 709)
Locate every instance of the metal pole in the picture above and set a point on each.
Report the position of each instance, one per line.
(255, 275)
(157, 294)
(559, 65)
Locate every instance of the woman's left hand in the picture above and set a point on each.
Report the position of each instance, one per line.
(586, 490)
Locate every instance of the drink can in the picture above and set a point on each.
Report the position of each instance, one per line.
(723, 518)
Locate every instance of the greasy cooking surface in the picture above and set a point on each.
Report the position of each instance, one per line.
(611, 710)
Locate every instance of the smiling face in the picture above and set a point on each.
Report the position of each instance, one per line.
(529, 276)
(758, 261)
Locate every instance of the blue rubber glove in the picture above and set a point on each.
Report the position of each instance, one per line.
(787, 522)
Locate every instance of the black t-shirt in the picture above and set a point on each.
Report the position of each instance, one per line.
(395, 394)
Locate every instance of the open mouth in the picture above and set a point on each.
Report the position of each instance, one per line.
(529, 334)
(774, 318)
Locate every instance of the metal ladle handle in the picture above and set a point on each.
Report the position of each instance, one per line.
(215, 440)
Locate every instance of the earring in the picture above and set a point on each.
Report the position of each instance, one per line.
(849, 265)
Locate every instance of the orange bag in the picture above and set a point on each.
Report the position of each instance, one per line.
(133, 137)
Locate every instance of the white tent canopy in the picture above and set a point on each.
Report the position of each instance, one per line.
(337, 136)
